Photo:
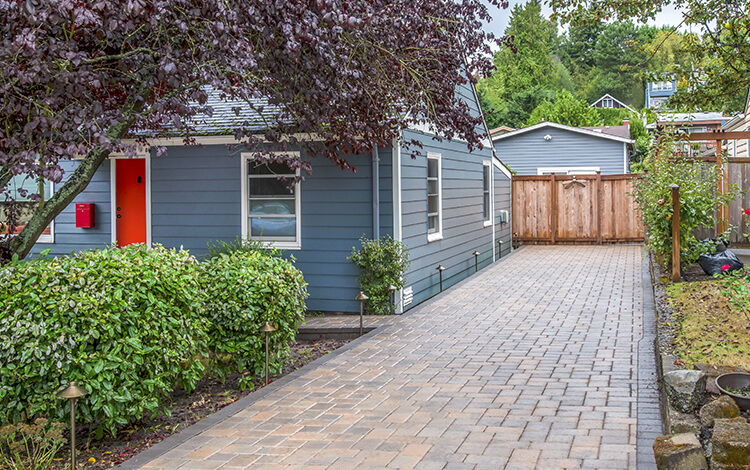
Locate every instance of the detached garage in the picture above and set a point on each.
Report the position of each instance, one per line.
(548, 147)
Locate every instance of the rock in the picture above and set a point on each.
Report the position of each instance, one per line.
(684, 389)
(722, 408)
(680, 423)
(679, 452)
(731, 444)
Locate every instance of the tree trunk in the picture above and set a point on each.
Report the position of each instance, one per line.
(78, 181)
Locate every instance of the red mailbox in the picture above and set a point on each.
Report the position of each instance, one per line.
(85, 215)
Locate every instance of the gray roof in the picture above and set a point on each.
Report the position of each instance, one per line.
(579, 130)
(618, 131)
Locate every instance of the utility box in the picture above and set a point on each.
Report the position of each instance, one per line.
(85, 215)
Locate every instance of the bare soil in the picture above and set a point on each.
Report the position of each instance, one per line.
(208, 397)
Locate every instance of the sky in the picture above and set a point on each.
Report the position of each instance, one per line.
(669, 16)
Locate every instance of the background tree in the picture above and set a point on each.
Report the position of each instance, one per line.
(523, 72)
(720, 50)
(565, 109)
(78, 77)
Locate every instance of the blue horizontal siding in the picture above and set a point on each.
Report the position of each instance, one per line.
(69, 239)
(527, 152)
(463, 226)
(196, 199)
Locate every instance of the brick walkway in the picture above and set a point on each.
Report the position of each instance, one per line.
(532, 363)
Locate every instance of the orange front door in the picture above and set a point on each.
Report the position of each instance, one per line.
(130, 193)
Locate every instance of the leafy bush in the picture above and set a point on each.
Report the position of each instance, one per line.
(698, 199)
(381, 263)
(122, 322)
(219, 247)
(245, 289)
(30, 446)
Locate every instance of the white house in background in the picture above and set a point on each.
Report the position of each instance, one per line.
(741, 122)
(549, 147)
(609, 101)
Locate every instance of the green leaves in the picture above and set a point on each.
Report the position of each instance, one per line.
(84, 318)
(381, 263)
(698, 199)
(243, 290)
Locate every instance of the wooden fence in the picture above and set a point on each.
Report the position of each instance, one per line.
(736, 173)
(591, 209)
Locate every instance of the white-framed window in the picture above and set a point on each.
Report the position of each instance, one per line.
(21, 187)
(270, 207)
(434, 197)
(486, 193)
(662, 86)
(580, 170)
(608, 103)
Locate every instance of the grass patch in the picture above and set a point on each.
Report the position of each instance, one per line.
(708, 327)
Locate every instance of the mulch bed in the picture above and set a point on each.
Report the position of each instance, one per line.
(208, 397)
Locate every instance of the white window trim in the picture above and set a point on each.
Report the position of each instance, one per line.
(487, 164)
(431, 237)
(590, 170)
(113, 194)
(286, 245)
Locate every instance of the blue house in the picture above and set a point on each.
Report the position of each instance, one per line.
(443, 205)
(657, 93)
(548, 147)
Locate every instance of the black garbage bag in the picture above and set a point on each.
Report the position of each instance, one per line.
(712, 263)
(720, 244)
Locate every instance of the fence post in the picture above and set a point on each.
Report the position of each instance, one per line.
(675, 232)
(721, 209)
(553, 207)
(599, 207)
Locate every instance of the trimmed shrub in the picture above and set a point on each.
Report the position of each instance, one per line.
(245, 289)
(381, 263)
(124, 323)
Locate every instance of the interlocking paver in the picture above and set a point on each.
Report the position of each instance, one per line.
(535, 362)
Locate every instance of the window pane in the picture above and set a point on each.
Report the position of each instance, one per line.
(432, 223)
(24, 205)
(271, 206)
(486, 206)
(432, 187)
(432, 204)
(432, 168)
(486, 178)
(270, 169)
(268, 187)
(271, 228)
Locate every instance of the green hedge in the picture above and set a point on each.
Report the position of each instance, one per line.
(124, 323)
(131, 324)
(245, 289)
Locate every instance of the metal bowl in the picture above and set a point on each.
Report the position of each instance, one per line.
(735, 380)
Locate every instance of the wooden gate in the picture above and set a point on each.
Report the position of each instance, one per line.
(575, 209)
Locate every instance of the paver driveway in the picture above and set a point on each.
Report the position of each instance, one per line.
(532, 363)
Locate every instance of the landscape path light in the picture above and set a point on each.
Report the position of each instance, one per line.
(476, 261)
(267, 329)
(71, 392)
(361, 297)
(440, 269)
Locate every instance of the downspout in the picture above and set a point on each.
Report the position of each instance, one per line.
(375, 194)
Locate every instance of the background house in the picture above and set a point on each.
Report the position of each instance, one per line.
(657, 93)
(443, 205)
(609, 101)
(549, 147)
(741, 122)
